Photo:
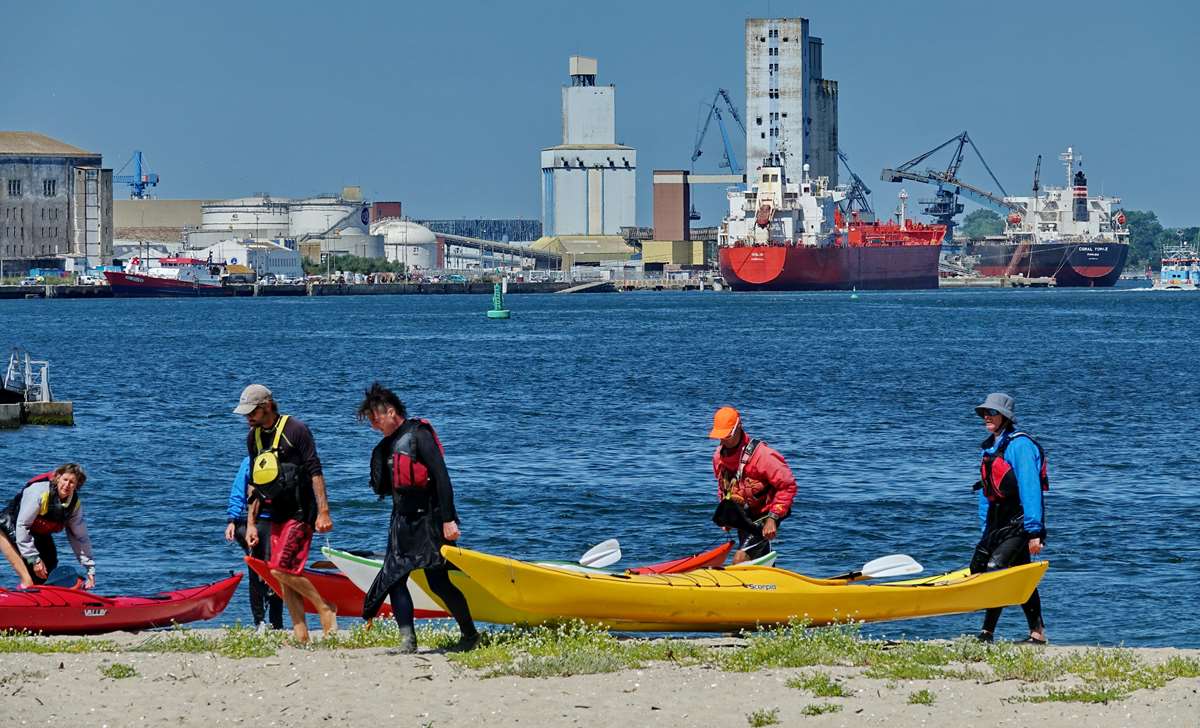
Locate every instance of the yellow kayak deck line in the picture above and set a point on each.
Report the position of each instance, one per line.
(507, 591)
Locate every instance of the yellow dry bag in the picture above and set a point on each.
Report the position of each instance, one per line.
(265, 469)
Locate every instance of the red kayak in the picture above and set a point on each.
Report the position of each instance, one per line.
(57, 610)
(336, 589)
(703, 560)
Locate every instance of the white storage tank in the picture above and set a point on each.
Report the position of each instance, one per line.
(260, 216)
(409, 243)
(315, 215)
(353, 241)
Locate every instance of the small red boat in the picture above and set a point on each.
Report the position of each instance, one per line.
(703, 560)
(336, 589)
(58, 610)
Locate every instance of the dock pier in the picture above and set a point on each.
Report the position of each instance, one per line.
(995, 282)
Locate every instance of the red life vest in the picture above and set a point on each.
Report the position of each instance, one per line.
(53, 514)
(407, 470)
(735, 487)
(996, 476)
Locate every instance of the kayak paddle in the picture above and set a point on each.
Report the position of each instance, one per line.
(602, 554)
(884, 566)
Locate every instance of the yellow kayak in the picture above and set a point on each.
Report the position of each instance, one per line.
(507, 591)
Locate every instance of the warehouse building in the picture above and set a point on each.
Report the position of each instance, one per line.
(55, 204)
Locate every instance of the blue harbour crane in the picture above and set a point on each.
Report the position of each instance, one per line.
(139, 180)
(858, 198)
(945, 205)
(714, 112)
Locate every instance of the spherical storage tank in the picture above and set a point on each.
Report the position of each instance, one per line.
(409, 243)
(315, 215)
(259, 216)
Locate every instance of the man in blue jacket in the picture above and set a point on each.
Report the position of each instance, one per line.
(263, 600)
(1011, 505)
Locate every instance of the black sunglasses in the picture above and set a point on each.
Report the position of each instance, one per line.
(988, 413)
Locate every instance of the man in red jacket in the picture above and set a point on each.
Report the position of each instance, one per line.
(755, 480)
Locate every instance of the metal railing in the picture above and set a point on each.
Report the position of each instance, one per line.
(27, 376)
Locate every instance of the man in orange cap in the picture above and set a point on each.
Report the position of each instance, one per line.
(754, 483)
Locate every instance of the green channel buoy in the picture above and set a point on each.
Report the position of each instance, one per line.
(498, 311)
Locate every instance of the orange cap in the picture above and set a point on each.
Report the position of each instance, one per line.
(725, 421)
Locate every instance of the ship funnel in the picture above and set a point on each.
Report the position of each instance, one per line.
(1080, 193)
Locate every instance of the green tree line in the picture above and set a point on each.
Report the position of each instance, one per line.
(353, 264)
(1148, 238)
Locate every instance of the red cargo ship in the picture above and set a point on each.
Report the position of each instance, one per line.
(778, 237)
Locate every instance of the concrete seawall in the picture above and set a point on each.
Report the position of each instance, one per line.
(314, 289)
(13, 416)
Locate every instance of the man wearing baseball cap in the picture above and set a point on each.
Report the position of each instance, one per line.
(286, 476)
(754, 483)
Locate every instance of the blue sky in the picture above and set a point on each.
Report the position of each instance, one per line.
(446, 105)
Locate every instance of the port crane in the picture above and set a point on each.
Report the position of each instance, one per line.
(714, 111)
(945, 205)
(857, 199)
(139, 180)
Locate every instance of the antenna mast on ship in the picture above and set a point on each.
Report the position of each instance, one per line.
(1068, 157)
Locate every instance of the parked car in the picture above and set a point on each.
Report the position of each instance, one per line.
(30, 282)
(456, 278)
(87, 281)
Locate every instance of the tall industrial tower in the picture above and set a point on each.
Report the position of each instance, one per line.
(791, 110)
(589, 181)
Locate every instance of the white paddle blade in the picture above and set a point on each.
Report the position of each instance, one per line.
(894, 565)
(602, 554)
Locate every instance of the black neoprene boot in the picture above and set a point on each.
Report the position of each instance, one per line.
(408, 642)
(466, 643)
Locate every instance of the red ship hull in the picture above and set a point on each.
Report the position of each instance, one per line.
(803, 268)
(144, 286)
(869, 255)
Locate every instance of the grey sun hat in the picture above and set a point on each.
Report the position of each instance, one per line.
(1000, 402)
(252, 396)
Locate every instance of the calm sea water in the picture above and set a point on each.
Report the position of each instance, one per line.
(584, 418)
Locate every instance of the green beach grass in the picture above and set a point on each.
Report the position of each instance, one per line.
(573, 648)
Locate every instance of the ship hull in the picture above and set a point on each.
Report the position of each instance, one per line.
(134, 285)
(832, 268)
(1095, 264)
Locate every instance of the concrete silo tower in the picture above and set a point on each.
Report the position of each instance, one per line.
(588, 181)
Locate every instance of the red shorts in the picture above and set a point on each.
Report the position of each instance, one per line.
(289, 546)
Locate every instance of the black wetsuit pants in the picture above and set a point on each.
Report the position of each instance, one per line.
(263, 601)
(439, 582)
(47, 552)
(999, 550)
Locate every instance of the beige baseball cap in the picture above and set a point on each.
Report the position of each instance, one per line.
(252, 396)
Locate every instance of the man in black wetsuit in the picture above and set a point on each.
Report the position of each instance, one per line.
(408, 465)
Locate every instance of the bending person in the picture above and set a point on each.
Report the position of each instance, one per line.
(1011, 506)
(46, 504)
(408, 465)
(754, 483)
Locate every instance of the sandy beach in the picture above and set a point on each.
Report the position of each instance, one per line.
(322, 687)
